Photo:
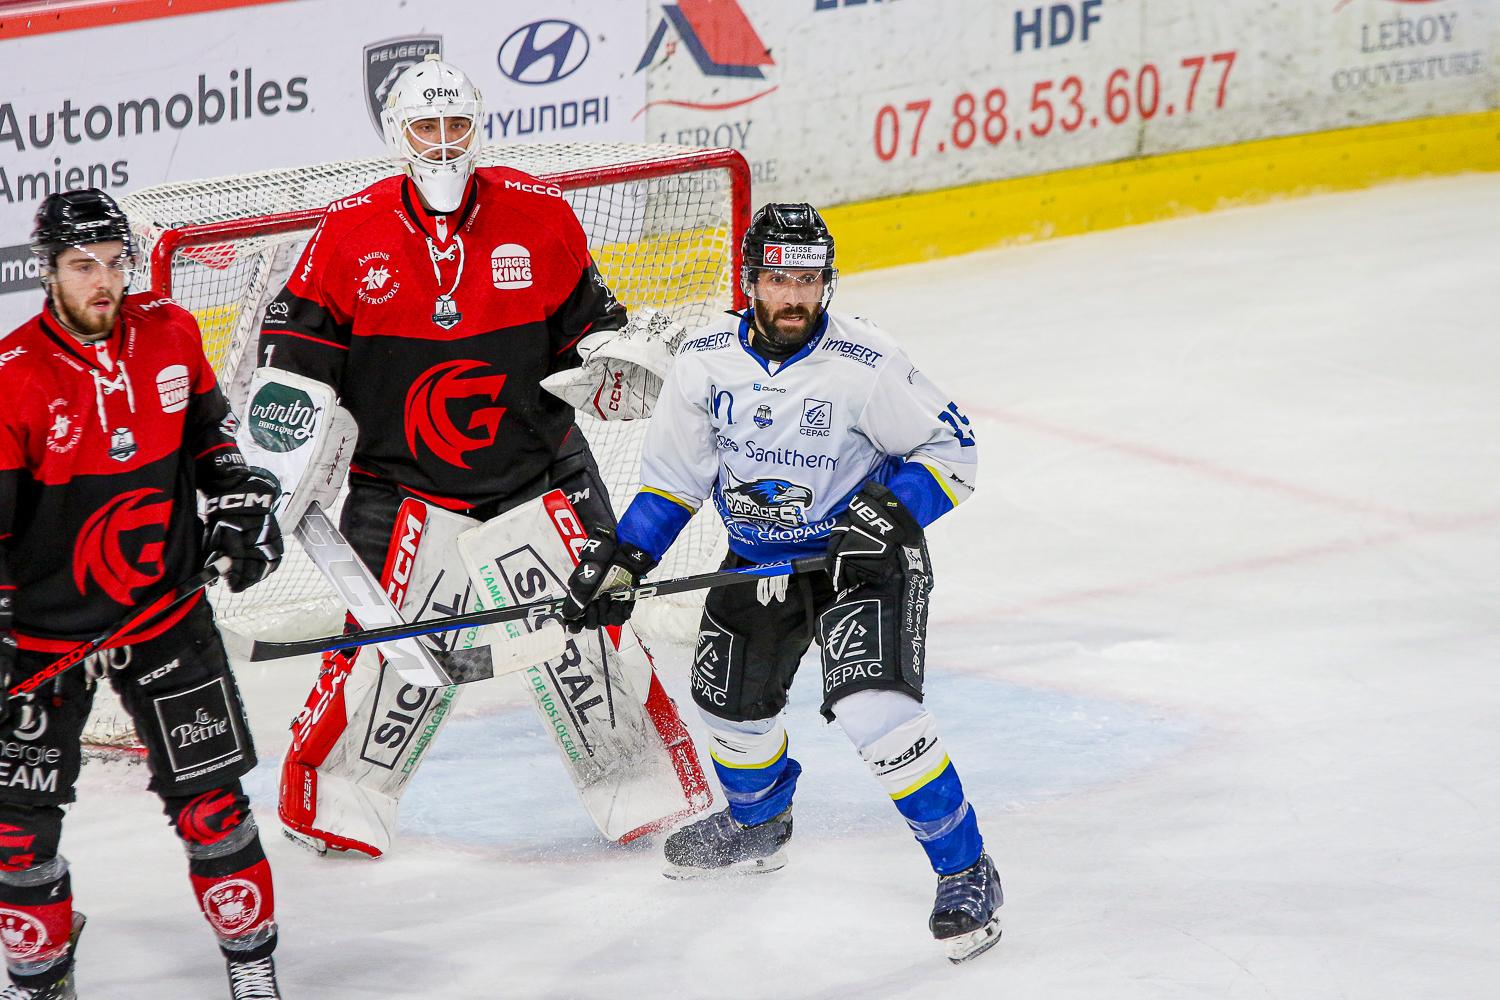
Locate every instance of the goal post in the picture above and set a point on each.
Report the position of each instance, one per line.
(663, 224)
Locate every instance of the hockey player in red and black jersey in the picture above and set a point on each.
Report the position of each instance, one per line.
(435, 302)
(113, 424)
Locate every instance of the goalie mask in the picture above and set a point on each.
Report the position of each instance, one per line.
(431, 123)
(787, 272)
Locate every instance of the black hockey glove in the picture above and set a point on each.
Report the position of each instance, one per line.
(241, 525)
(604, 564)
(864, 545)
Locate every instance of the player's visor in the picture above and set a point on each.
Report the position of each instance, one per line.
(771, 284)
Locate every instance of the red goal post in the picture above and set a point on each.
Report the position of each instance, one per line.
(664, 224)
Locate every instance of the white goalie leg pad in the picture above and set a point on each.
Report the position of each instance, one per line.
(294, 427)
(619, 735)
(895, 735)
(362, 737)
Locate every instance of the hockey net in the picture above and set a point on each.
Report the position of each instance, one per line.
(663, 223)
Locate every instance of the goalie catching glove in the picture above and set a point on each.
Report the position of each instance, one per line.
(864, 544)
(240, 512)
(622, 370)
(604, 564)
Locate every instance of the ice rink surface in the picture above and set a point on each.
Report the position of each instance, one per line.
(1214, 648)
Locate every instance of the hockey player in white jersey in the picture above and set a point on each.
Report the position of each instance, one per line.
(810, 431)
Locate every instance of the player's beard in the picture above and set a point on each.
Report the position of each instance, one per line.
(786, 326)
(90, 315)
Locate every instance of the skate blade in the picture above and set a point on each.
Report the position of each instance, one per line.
(755, 866)
(974, 943)
(302, 840)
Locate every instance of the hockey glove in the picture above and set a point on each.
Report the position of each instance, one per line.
(604, 564)
(622, 370)
(242, 525)
(864, 545)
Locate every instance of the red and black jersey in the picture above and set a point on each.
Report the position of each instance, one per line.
(436, 330)
(102, 448)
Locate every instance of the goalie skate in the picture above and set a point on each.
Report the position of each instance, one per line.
(719, 845)
(963, 916)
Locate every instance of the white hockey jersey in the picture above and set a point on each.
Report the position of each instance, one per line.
(780, 449)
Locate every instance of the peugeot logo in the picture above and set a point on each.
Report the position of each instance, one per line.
(543, 52)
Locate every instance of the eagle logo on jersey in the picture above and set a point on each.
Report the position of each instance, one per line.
(100, 555)
(428, 417)
(775, 501)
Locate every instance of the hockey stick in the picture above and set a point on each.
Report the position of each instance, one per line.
(216, 568)
(537, 612)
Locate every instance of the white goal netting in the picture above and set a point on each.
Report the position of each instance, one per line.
(663, 223)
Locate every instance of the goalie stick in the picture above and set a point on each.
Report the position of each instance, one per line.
(161, 606)
(537, 611)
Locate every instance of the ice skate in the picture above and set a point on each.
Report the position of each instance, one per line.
(62, 989)
(720, 845)
(964, 917)
(253, 980)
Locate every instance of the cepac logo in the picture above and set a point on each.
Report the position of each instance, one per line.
(99, 553)
(722, 42)
(427, 410)
(384, 62)
(543, 52)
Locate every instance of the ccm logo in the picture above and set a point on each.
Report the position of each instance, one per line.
(548, 189)
(243, 500)
(404, 557)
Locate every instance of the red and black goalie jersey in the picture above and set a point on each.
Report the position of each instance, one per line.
(436, 330)
(102, 448)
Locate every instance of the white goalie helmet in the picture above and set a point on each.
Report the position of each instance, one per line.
(449, 109)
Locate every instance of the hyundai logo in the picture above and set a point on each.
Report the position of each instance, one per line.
(543, 52)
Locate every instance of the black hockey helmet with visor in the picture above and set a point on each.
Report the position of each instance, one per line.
(787, 266)
(78, 220)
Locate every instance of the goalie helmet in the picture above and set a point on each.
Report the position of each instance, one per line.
(77, 219)
(787, 237)
(440, 165)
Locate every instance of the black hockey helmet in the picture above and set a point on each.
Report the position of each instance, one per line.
(787, 236)
(76, 219)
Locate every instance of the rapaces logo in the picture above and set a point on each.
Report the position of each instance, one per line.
(543, 52)
(384, 62)
(774, 501)
(428, 416)
(282, 418)
(721, 40)
(100, 552)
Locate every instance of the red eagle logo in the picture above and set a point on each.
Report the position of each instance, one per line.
(100, 550)
(428, 418)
